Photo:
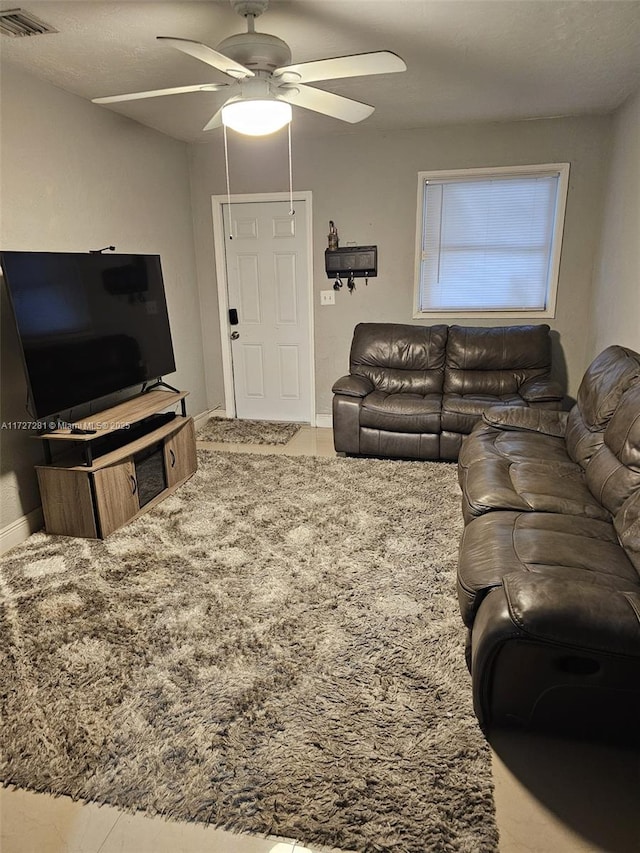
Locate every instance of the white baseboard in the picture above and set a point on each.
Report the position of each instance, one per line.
(201, 419)
(16, 532)
(324, 421)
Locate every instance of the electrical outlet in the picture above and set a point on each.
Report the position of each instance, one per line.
(327, 297)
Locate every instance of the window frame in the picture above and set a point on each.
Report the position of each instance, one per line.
(537, 170)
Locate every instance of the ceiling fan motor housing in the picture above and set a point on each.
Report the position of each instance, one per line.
(249, 7)
(256, 51)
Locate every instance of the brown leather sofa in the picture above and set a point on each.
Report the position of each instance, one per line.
(549, 568)
(415, 391)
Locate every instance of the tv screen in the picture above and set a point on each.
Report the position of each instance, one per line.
(89, 324)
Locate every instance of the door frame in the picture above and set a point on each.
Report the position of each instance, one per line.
(217, 202)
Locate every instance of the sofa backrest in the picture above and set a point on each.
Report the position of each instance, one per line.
(400, 358)
(495, 360)
(603, 385)
(627, 524)
(613, 472)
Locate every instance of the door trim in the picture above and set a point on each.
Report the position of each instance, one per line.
(217, 201)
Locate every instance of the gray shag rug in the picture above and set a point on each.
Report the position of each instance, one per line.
(275, 648)
(239, 431)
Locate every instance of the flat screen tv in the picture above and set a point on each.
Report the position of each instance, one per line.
(89, 324)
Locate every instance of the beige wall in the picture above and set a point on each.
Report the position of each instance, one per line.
(76, 177)
(616, 303)
(367, 183)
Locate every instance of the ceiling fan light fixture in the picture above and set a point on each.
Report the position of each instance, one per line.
(265, 84)
(256, 117)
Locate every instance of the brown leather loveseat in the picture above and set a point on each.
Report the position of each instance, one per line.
(549, 568)
(415, 391)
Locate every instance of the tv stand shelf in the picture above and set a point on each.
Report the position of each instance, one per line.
(118, 417)
(92, 495)
(111, 422)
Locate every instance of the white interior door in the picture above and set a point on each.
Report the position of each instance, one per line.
(268, 284)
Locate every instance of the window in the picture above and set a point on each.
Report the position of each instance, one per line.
(488, 241)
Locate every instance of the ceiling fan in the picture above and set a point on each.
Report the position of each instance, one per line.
(264, 84)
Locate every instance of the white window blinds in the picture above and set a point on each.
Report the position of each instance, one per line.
(488, 243)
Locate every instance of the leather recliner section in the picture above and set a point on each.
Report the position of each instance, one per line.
(549, 564)
(431, 385)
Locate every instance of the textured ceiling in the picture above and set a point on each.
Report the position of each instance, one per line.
(468, 60)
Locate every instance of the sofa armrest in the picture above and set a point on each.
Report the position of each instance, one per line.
(559, 653)
(546, 421)
(539, 390)
(574, 613)
(353, 386)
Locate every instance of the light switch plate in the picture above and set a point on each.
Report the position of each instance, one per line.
(327, 297)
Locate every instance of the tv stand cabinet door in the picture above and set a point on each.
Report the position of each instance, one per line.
(116, 494)
(67, 503)
(180, 454)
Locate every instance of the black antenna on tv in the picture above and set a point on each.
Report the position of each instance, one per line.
(100, 251)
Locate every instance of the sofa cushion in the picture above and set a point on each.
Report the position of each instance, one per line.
(581, 441)
(609, 455)
(487, 442)
(495, 360)
(399, 445)
(613, 472)
(606, 380)
(540, 390)
(622, 435)
(563, 546)
(627, 524)
(517, 418)
(498, 484)
(401, 412)
(461, 413)
(400, 358)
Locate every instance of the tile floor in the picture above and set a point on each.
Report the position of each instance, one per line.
(552, 796)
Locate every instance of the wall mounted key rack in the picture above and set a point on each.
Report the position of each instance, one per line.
(351, 262)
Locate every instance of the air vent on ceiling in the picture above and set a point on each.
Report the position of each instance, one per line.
(17, 22)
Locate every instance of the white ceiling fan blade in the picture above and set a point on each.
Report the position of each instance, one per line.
(214, 121)
(358, 65)
(158, 93)
(207, 54)
(326, 103)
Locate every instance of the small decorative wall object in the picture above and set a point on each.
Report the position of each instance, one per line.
(333, 236)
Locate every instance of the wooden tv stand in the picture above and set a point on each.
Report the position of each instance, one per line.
(131, 460)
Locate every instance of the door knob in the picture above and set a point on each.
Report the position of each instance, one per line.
(235, 336)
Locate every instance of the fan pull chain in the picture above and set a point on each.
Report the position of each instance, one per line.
(226, 166)
(291, 210)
